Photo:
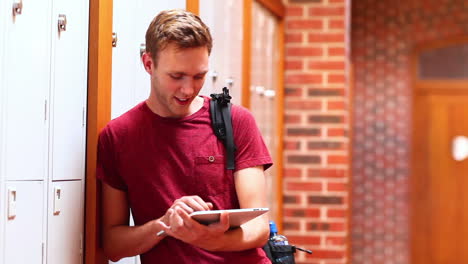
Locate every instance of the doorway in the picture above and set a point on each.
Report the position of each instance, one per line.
(439, 182)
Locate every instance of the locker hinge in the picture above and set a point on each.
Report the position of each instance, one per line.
(83, 117)
(45, 110)
(42, 259)
(81, 244)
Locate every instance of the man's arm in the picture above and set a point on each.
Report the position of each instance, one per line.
(251, 192)
(120, 239)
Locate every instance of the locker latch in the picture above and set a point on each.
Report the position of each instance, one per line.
(57, 200)
(17, 8)
(62, 23)
(114, 39)
(11, 203)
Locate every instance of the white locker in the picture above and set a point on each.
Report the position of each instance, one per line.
(225, 20)
(65, 222)
(68, 89)
(130, 81)
(24, 222)
(43, 90)
(27, 66)
(3, 5)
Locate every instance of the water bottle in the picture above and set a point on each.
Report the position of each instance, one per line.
(279, 240)
(275, 238)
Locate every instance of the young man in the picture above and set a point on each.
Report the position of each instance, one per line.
(163, 160)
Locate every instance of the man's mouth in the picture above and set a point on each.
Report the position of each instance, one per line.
(182, 101)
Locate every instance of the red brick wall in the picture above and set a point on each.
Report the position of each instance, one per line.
(384, 33)
(316, 171)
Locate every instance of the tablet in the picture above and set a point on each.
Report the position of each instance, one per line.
(236, 216)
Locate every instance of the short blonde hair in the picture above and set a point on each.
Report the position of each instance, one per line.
(179, 27)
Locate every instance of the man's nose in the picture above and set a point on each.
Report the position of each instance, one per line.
(188, 87)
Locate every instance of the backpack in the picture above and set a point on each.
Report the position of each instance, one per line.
(220, 110)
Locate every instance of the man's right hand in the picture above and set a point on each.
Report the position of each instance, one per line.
(188, 204)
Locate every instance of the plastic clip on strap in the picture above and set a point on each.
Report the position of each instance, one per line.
(220, 109)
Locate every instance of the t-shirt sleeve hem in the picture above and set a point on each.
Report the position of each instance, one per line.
(265, 161)
(109, 182)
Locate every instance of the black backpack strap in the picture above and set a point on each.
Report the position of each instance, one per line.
(220, 110)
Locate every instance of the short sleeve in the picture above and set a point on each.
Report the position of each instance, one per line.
(251, 149)
(106, 169)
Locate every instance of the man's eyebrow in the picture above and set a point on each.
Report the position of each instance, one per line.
(184, 73)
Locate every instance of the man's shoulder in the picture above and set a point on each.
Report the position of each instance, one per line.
(127, 120)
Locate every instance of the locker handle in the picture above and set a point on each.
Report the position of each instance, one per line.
(460, 148)
(62, 23)
(114, 39)
(57, 200)
(18, 8)
(11, 204)
(142, 49)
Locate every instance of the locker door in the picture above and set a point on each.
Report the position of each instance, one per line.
(65, 222)
(147, 10)
(26, 83)
(69, 85)
(130, 82)
(224, 18)
(24, 222)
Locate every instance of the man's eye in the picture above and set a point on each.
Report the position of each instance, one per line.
(199, 77)
(176, 77)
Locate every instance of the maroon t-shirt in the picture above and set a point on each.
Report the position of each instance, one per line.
(157, 160)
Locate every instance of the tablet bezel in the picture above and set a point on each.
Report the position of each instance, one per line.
(237, 217)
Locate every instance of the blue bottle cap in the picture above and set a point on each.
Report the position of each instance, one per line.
(273, 228)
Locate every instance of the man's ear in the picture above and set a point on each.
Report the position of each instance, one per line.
(147, 62)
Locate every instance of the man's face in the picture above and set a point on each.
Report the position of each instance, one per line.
(176, 80)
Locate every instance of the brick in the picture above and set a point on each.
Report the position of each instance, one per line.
(304, 240)
(325, 92)
(292, 119)
(324, 145)
(304, 186)
(303, 105)
(304, 51)
(291, 226)
(336, 213)
(327, 254)
(294, 11)
(337, 159)
(291, 199)
(336, 51)
(301, 78)
(292, 145)
(293, 65)
(310, 212)
(292, 173)
(304, 159)
(336, 78)
(315, 200)
(326, 38)
(304, 24)
(327, 11)
(289, 92)
(336, 105)
(326, 173)
(326, 65)
(337, 187)
(293, 38)
(336, 1)
(325, 226)
(329, 119)
(337, 24)
(303, 132)
(337, 132)
(335, 241)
